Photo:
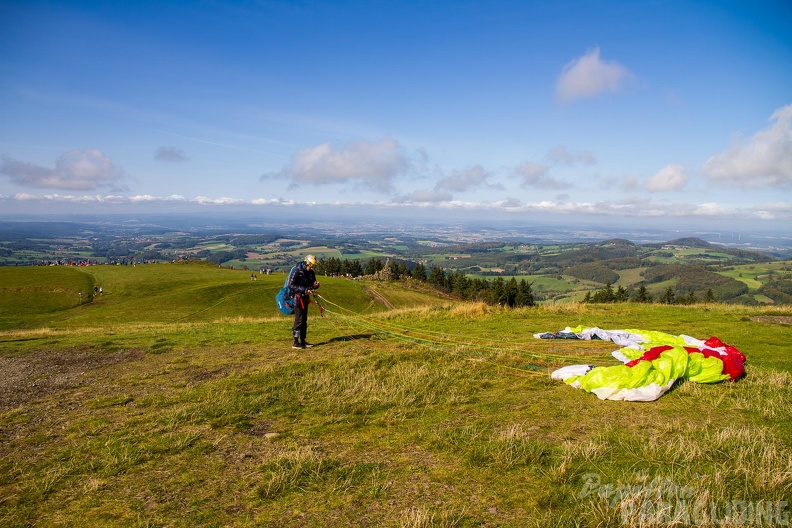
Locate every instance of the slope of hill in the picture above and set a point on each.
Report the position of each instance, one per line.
(691, 278)
(165, 293)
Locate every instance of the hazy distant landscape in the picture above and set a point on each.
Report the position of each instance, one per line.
(561, 263)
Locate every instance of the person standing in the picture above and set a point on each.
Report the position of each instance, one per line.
(302, 282)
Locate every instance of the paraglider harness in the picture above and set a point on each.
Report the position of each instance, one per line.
(285, 300)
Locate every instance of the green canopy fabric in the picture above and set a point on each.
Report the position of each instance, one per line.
(645, 374)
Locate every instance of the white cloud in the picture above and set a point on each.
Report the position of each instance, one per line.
(710, 209)
(223, 200)
(764, 160)
(561, 155)
(143, 198)
(70, 198)
(365, 163)
(76, 170)
(588, 76)
(535, 175)
(773, 210)
(170, 154)
(139, 199)
(628, 208)
(272, 201)
(510, 203)
(669, 178)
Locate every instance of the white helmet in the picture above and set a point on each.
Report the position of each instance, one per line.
(310, 260)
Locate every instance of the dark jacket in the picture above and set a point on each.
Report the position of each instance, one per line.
(301, 280)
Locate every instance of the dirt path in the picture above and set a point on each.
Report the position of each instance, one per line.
(773, 319)
(379, 298)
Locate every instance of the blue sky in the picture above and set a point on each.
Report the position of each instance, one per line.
(662, 110)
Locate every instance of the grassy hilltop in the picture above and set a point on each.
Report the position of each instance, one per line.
(174, 399)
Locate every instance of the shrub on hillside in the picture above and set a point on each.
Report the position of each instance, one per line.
(593, 271)
(779, 290)
(696, 279)
(225, 256)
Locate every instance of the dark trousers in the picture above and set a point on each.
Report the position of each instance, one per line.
(300, 328)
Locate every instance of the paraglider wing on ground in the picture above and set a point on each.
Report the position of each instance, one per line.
(651, 363)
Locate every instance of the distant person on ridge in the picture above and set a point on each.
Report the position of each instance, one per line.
(302, 282)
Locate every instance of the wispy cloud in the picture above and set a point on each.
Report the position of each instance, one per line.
(76, 170)
(561, 155)
(535, 175)
(763, 160)
(426, 196)
(627, 182)
(57, 198)
(170, 154)
(590, 76)
(464, 180)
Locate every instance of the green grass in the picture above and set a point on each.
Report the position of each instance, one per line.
(176, 400)
(628, 277)
(31, 295)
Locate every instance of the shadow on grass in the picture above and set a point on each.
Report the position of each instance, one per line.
(347, 338)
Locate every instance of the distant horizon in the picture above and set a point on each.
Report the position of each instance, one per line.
(757, 238)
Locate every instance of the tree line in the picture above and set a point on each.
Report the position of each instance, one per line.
(642, 295)
(499, 291)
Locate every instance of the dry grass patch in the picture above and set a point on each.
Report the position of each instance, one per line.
(564, 308)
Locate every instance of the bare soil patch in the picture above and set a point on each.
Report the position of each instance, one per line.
(780, 319)
(25, 379)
